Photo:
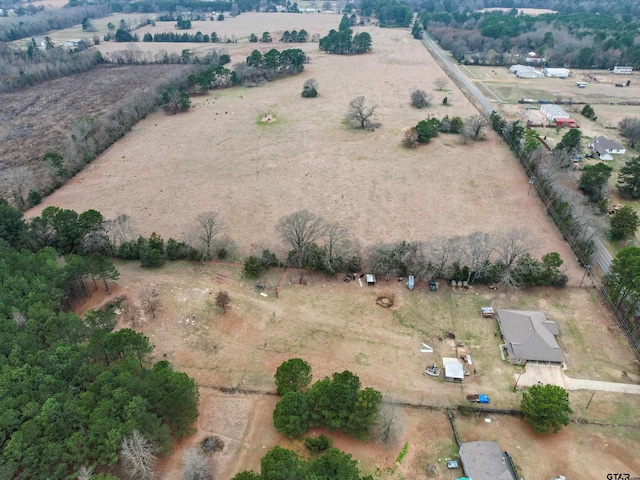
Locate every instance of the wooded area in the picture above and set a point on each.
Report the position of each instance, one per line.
(71, 388)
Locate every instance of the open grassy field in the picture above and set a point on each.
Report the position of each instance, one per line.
(337, 326)
(220, 156)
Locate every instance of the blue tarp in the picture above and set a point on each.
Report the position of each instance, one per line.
(483, 399)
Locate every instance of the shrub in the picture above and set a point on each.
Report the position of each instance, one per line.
(252, 267)
(420, 99)
(318, 444)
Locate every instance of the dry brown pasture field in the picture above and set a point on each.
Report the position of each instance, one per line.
(220, 156)
(336, 326)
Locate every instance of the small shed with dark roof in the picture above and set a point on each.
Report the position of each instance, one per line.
(485, 461)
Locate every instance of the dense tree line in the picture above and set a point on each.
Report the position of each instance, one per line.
(71, 388)
(15, 28)
(294, 36)
(475, 258)
(273, 64)
(623, 286)
(198, 37)
(544, 169)
(388, 12)
(579, 40)
(337, 403)
(344, 42)
(281, 463)
(23, 67)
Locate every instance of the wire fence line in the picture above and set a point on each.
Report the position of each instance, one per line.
(584, 242)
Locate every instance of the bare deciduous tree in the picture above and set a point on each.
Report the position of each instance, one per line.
(150, 301)
(387, 426)
(300, 230)
(361, 113)
(223, 300)
(19, 181)
(474, 126)
(440, 83)
(196, 465)
(129, 312)
(19, 318)
(338, 246)
(630, 128)
(421, 99)
(410, 139)
(120, 230)
(208, 227)
(138, 456)
(480, 248)
(511, 245)
(85, 473)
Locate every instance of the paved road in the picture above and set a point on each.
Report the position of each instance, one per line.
(553, 375)
(601, 255)
(453, 70)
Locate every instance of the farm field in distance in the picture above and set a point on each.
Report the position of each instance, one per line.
(221, 156)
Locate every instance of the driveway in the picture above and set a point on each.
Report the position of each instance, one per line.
(554, 375)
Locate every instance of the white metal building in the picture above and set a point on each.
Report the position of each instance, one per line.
(622, 70)
(525, 71)
(553, 112)
(556, 72)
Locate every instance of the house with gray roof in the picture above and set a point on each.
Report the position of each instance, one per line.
(605, 147)
(485, 461)
(529, 337)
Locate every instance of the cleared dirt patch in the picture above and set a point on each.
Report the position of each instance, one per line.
(38, 119)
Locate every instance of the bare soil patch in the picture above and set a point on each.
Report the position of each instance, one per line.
(218, 156)
(38, 119)
(336, 326)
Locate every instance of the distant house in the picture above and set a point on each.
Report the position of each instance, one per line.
(553, 112)
(525, 71)
(533, 57)
(605, 148)
(485, 461)
(529, 337)
(39, 42)
(72, 43)
(453, 369)
(556, 72)
(622, 70)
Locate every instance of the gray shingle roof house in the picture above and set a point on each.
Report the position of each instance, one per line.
(529, 336)
(485, 461)
(605, 147)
